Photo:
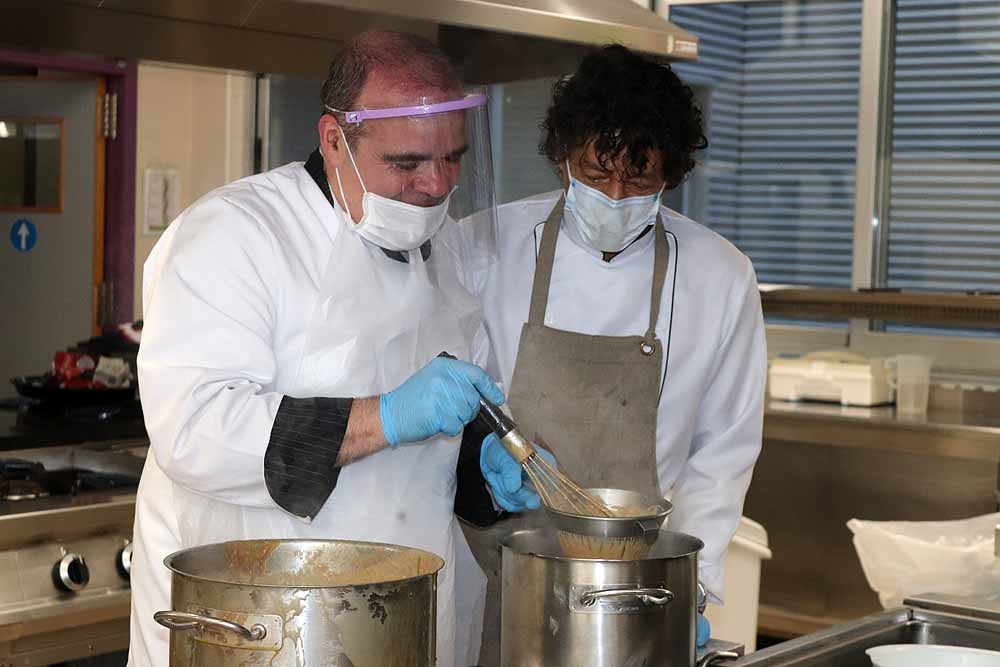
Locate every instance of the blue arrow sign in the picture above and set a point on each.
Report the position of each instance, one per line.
(23, 235)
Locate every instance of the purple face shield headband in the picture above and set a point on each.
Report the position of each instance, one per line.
(357, 117)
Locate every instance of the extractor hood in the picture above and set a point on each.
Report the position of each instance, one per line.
(491, 40)
(588, 22)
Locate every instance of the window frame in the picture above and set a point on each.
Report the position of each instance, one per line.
(873, 161)
(43, 120)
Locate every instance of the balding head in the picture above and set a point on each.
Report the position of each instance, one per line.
(415, 160)
(387, 69)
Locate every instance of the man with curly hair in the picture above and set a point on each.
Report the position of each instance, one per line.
(629, 337)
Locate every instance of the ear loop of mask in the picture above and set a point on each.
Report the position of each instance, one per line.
(358, 173)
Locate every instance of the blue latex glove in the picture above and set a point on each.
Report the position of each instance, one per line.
(704, 631)
(442, 397)
(505, 477)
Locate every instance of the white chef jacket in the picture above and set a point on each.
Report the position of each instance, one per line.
(231, 293)
(709, 422)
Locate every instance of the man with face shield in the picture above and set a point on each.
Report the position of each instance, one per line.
(629, 337)
(289, 366)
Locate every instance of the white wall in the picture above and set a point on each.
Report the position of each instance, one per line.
(198, 121)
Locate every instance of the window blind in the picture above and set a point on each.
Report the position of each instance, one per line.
(944, 197)
(782, 126)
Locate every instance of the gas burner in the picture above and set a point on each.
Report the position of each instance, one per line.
(19, 480)
(21, 489)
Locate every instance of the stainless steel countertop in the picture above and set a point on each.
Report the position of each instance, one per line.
(940, 432)
(926, 619)
(987, 607)
(714, 648)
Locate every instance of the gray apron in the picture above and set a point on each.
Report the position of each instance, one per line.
(591, 399)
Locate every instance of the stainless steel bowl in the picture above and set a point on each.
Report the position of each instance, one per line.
(645, 527)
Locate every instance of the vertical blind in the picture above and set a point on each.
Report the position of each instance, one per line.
(782, 127)
(944, 205)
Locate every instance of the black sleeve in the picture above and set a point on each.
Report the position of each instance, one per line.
(473, 502)
(300, 464)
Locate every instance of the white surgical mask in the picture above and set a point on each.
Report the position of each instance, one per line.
(606, 224)
(392, 224)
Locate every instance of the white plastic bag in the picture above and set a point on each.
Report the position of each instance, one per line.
(905, 558)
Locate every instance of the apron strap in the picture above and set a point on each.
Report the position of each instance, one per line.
(543, 265)
(661, 261)
(547, 256)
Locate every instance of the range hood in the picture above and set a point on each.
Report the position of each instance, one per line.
(588, 22)
(491, 40)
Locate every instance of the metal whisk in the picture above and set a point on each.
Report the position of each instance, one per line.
(556, 490)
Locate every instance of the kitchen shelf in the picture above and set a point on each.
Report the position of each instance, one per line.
(973, 310)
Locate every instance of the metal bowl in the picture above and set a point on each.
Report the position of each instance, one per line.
(645, 527)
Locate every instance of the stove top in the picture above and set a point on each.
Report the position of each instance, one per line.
(33, 480)
(66, 516)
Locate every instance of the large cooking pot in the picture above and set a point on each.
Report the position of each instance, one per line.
(558, 610)
(298, 603)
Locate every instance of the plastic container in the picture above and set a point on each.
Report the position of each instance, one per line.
(834, 376)
(736, 621)
(912, 382)
(929, 655)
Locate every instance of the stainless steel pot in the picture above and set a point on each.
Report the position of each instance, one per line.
(293, 603)
(598, 613)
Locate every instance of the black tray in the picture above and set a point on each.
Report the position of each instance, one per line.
(41, 388)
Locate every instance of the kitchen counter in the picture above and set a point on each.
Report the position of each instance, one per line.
(941, 432)
(717, 651)
(823, 464)
(929, 619)
(24, 427)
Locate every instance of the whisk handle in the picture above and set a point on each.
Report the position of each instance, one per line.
(493, 417)
(490, 413)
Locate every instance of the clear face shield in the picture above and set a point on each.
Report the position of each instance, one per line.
(426, 171)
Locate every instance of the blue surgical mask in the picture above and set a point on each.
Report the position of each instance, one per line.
(606, 224)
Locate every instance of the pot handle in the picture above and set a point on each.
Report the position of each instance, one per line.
(650, 529)
(655, 596)
(709, 658)
(181, 620)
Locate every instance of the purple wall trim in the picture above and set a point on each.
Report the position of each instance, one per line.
(57, 62)
(119, 230)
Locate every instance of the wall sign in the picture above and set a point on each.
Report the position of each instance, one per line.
(23, 235)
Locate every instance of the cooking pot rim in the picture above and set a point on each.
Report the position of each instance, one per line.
(610, 495)
(435, 563)
(696, 545)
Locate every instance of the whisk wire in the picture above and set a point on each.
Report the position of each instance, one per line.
(559, 492)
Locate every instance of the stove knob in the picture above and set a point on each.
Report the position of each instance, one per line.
(71, 573)
(123, 562)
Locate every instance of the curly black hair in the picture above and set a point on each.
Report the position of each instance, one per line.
(628, 104)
